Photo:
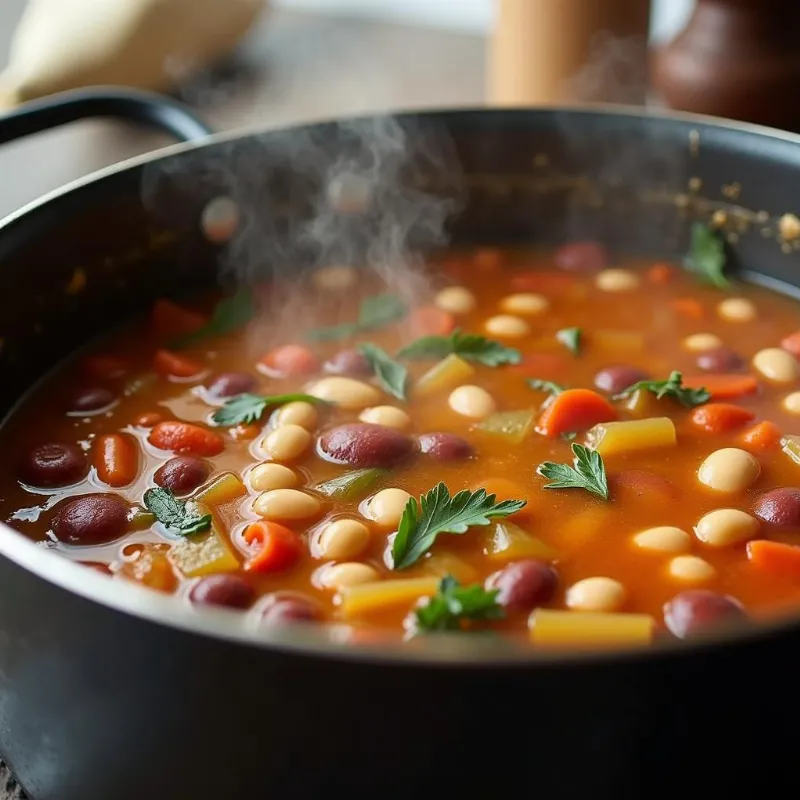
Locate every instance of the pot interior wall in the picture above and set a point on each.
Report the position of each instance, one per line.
(93, 256)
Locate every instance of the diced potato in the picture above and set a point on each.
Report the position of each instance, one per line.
(511, 426)
(505, 541)
(368, 598)
(151, 567)
(644, 404)
(224, 489)
(578, 629)
(616, 341)
(448, 373)
(203, 553)
(790, 444)
(611, 438)
(441, 564)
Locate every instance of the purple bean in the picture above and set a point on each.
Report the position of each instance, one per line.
(696, 610)
(445, 446)
(720, 359)
(53, 465)
(365, 445)
(182, 474)
(617, 378)
(348, 362)
(93, 519)
(232, 591)
(91, 399)
(524, 585)
(228, 384)
(582, 257)
(780, 507)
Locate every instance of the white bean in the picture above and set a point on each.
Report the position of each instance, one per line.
(506, 326)
(776, 365)
(791, 403)
(596, 594)
(387, 507)
(287, 442)
(286, 504)
(663, 539)
(346, 392)
(737, 309)
(726, 526)
(698, 342)
(348, 573)
(388, 416)
(455, 299)
(525, 303)
(272, 476)
(617, 280)
(729, 470)
(299, 413)
(343, 539)
(471, 401)
(691, 569)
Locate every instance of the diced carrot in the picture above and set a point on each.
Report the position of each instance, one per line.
(774, 557)
(721, 417)
(185, 437)
(166, 362)
(291, 359)
(762, 436)
(279, 547)
(170, 319)
(575, 410)
(116, 459)
(487, 258)
(504, 489)
(149, 420)
(723, 386)
(431, 321)
(549, 283)
(104, 368)
(660, 273)
(541, 365)
(689, 307)
(791, 343)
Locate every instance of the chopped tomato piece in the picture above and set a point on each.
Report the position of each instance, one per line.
(721, 417)
(291, 359)
(432, 321)
(791, 343)
(763, 436)
(279, 547)
(723, 386)
(575, 410)
(660, 273)
(689, 307)
(185, 437)
(178, 366)
(170, 319)
(775, 557)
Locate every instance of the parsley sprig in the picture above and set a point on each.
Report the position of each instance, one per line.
(454, 606)
(246, 408)
(550, 387)
(470, 346)
(374, 312)
(588, 472)
(671, 387)
(706, 257)
(438, 512)
(176, 515)
(392, 376)
(571, 338)
(229, 314)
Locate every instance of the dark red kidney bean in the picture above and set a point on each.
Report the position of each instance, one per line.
(445, 446)
(91, 399)
(617, 378)
(524, 585)
(93, 519)
(720, 359)
(53, 465)
(289, 610)
(780, 507)
(182, 474)
(365, 445)
(348, 362)
(696, 610)
(582, 257)
(228, 384)
(232, 591)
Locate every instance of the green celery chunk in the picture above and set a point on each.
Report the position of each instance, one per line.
(351, 485)
(790, 444)
(513, 426)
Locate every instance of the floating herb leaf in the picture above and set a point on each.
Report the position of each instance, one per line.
(176, 515)
(672, 387)
(438, 512)
(374, 312)
(571, 339)
(351, 485)
(588, 472)
(246, 408)
(453, 605)
(229, 314)
(391, 375)
(546, 386)
(469, 346)
(706, 257)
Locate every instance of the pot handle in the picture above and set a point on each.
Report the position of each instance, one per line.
(146, 108)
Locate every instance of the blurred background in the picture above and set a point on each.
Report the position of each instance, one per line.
(307, 59)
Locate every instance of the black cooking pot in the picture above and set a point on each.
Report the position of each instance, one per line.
(112, 692)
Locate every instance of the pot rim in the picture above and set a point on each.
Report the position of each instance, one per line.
(450, 651)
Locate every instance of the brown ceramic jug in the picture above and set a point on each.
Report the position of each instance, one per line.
(737, 59)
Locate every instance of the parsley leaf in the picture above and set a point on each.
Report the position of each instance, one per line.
(176, 515)
(229, 314)
(437, 513)
(672, 387)
(454, 604)
(246, 408)
(391, 375)
(589, 472)
(571, 339)
(706, 257)
(546, 386)
(469, 346)
(374, 312)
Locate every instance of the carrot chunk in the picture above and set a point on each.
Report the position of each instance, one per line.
(774, 557)
(660, 273)
(791, 343)
(689, 307)
(575, 410)
(116, 459)
(279, 547)
(170, 319)
(762, 436)
(291, 359)
(166, 362)
(721, 417)
(432, 321)
(723, 386)
(184, 437)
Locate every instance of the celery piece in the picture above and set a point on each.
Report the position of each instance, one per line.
(513, 426)
(203, 553)
(224, 489)
(351, 485)
(140, 519)
(447, 374)
(790, 444)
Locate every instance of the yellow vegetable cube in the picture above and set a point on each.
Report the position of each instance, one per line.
(368, 598)
(612, 438)
(224, 489)
(642, 403)
(576, 629)
(203, 553)
(505, 541)
(448, 373)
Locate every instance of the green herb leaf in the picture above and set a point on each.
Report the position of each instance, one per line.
(546, 386)
(391, 375)
(469, 346)
(706, 257)
(438, 512)
(588, 472)
(374, 312)
(176, 515)
(230, 313)
(351, 485)
(453, 604)
(246, 408)
(672, 387)
(571, 339)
